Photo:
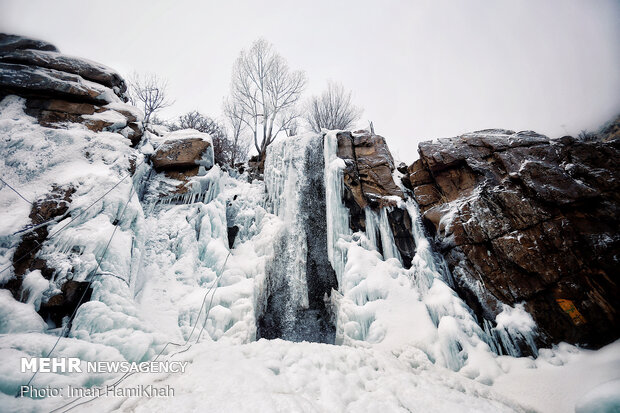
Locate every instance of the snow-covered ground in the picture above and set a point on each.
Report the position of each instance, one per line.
(404, 340)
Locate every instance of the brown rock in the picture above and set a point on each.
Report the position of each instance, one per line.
(135, 134)
(418, 174)
(426, 195)
(180, 154)
(368, 182)
(56, 105)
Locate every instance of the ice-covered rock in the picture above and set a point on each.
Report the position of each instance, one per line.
(87, 69)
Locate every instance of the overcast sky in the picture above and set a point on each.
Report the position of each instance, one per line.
(420, 69)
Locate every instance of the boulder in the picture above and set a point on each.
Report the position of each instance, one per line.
(531, 219)
(182, 151)
(373, 166)
(49, 83)
(86, 69)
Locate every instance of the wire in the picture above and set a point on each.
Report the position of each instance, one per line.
(21, 196)
(213, 295)
(62, 333)
(170, 343)
(71, 221)
(15, 190)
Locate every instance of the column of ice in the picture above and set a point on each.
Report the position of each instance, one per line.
(371, 226)
(427, 265)
(283, 182)
(387, 237)
(337, 213)
(379, 223)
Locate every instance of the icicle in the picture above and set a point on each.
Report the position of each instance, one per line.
(515, 329)
(378, 223)
(371, 226)
(337, 213)
(201, 189)
(387, 237)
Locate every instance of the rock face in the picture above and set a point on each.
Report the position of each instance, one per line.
(63, 89)
(61, 92)
(181, 154)
(521, 218)
(54, 205)
(368, 183)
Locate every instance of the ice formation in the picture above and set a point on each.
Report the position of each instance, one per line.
(227, 262)
(299, 278)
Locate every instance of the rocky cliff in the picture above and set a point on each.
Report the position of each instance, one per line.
(79, 125)
(61, 89)
(524, 219)
(369, 186)
(519, 218)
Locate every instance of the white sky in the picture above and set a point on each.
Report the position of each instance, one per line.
(420, 69)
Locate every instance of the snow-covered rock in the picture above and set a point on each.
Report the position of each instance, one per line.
(63, 89)
(524, 219)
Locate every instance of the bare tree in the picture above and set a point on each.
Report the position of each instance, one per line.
(333, 109)
(149, 92)
(239, 146)
(265, 91)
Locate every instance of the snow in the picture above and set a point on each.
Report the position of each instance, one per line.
(23, 317)
(515, 323)
(116, 120)
(186, 250)
(281, 376)
(404, 339)
(33, 286)
(601, 399)
(560, 378)
(179, 135)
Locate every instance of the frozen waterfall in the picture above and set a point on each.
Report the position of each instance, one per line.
(382, 303)
(299, 278)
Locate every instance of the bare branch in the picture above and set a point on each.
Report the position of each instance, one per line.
(333, 109)
(149, 92)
